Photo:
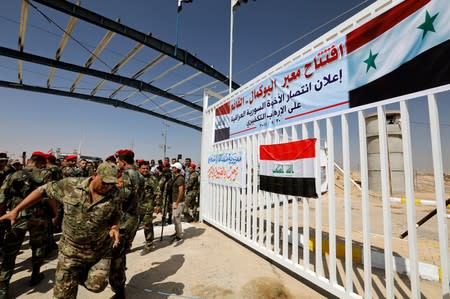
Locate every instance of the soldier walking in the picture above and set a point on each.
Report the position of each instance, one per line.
(192, 193)
(131, 193)
(90, 228)
(152, 195)
(34, 220)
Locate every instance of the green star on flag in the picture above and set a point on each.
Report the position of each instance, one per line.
(428, 24)
(370, 61)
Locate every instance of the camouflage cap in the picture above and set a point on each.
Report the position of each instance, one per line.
(108, 172)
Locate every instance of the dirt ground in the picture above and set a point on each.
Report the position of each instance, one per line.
(206, 264)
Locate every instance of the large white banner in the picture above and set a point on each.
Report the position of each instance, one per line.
(398, 52)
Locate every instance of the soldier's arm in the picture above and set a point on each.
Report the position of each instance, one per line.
(28, 201)
(3, 197)
(127, 187)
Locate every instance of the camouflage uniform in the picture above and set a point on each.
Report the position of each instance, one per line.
(192, 193)
(50, 174)
(33, 219)
(131, 193)
(85, 239)
(3, 174)
(71, 172)
(152, 192)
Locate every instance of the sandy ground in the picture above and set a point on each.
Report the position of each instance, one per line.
(206, 264)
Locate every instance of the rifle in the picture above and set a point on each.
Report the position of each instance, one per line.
(166, 201)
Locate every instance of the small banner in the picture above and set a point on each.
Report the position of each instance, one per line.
(227, 168)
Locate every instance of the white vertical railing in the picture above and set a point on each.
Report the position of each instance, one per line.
(262, 220)
(440, 193)
(347, 205)
(318, 205)
(276, 239)
(269, 199)
(305, 135)
(385, 197)
(410, 206)
(285, 138)
(367, 260)
(261, 202)
(331, 203)
(294, 256)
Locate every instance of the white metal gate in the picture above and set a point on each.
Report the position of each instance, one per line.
(350, 241)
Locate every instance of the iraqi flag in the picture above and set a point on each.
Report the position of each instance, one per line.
(404, 50)
(288, 168)
(222, 122)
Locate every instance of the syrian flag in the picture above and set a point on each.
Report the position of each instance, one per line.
(222, 122)
(402, 51)
(180, 4)
(288, 168)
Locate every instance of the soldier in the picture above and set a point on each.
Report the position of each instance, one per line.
(91, 217)
(3, 171)
(69, 170)
(192, 192)
(3, 174)
(16, 187)
(186, 168)
(131, 193)
(111, 159)
(152, 195)
(82, 168)
(51, 173)
(13, 166)
(178, 188)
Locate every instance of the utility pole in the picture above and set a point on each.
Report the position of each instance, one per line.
(164, 134)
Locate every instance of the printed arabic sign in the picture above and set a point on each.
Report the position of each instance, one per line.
(311, 87)
(227, 168)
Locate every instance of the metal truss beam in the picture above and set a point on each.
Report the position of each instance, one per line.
(96, 73)
(96, 99)
(154, 43)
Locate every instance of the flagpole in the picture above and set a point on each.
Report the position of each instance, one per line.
(176, 33)
(231, 46)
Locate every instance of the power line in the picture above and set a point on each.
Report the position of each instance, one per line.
(300, 38)
(50, 20)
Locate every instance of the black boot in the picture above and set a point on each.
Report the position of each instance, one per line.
(119, 294)
(36, 275)
(4, 290)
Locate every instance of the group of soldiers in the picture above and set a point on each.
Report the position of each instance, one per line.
(97, 206)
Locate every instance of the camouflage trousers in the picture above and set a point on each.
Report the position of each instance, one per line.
(92, 272)
(191, 202)
(117, 275)
(146, 218)
(14, 238)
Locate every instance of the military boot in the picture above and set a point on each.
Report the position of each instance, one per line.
(119, 293)
(36, 275)
(4, 290)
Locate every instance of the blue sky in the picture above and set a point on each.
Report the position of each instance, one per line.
(33, 121)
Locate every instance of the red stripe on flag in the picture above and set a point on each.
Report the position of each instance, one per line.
(301, 149)
(379, 25)
(224, 109)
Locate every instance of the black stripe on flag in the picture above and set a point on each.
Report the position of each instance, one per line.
(305, 187)
(427, 70)
(221, 134)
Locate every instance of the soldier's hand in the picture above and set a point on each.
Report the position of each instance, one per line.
(11, 216)
(114, 233)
